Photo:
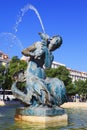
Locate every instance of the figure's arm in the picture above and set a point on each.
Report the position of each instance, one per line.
(27, 51)
(36, 50)
(39, 50)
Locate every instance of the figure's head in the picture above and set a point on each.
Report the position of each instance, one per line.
(55, 42)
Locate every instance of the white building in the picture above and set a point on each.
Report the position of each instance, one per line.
(4, 59)
(74, 74)
(56, 64)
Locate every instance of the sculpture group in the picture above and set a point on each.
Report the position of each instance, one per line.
(39, 89)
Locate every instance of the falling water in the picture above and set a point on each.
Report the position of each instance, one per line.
(11, 38)
(23, 11)
(9, 43)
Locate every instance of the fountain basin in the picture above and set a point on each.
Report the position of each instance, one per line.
(40, 115)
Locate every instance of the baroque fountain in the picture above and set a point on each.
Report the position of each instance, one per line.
(42, 95)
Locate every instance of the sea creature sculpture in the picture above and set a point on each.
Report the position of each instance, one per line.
(39, 89)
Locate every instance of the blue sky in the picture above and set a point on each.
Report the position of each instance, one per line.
(67, 18)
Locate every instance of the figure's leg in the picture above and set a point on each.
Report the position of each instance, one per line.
(43, 97)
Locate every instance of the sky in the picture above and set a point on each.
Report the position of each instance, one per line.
(21, 20)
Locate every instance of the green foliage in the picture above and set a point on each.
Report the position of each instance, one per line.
(81, 86)
(2, 69)
(7, 82)
(16, 65)
(63, 74)
(15, 59)
(21, 85)
(71, 89)
(85, 86)
(50, 72)
(6, 74)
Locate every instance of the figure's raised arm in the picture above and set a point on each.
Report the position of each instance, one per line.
(26, 51)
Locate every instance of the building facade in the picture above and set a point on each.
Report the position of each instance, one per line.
(4, 59)
(74, 74)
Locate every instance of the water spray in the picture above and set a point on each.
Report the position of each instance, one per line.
(11, 38)
(23, 11)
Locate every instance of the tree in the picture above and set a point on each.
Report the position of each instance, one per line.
(85, 92)
(6, 73)
(14, 68)
(50, 72)
(63, 74)
(16, 65)
(81, 86)
(15, 59)
(2, 69)
(5, 80)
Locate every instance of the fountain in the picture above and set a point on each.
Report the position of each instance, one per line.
(42, 95)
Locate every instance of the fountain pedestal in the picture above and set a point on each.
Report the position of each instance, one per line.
(46, 116)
